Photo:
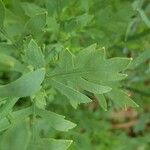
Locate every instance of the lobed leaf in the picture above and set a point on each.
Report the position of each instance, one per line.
(34, 55)
(89, 70)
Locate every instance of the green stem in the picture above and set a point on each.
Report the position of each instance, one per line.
(33, 121)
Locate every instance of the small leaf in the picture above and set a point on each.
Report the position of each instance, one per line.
(34, 56)
(36, 24)
(102, 101)
(2, 14)
(73, 95)
(26, 85)
(40, 99)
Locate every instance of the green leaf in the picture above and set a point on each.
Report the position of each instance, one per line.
(26, 85)
(144, 17)
(15, 116)
(73, 95)
(7, 107)
(34, 55)
(36, 24)
(140, 59)
(50, 144)
(2, 14)
(84, 20)
(51, 119)
(16, 138)
(89, 71)
(32, 9)
(40, 99)
(91, 65)
(117, 64)
(102, 101)
(9, 63)
(90, 55)
(121, 99)
(92, 87)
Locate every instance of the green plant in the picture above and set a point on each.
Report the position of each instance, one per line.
(47, 50)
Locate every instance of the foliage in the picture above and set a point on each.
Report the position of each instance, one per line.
(80, 51)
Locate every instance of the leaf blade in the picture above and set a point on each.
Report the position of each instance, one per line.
(26, 85)
(70, 93)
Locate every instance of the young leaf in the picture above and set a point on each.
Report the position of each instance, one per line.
(102, 101)
(40, 99)
(73, 95)
(26, 85)
(2, 14)
(34, 56)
